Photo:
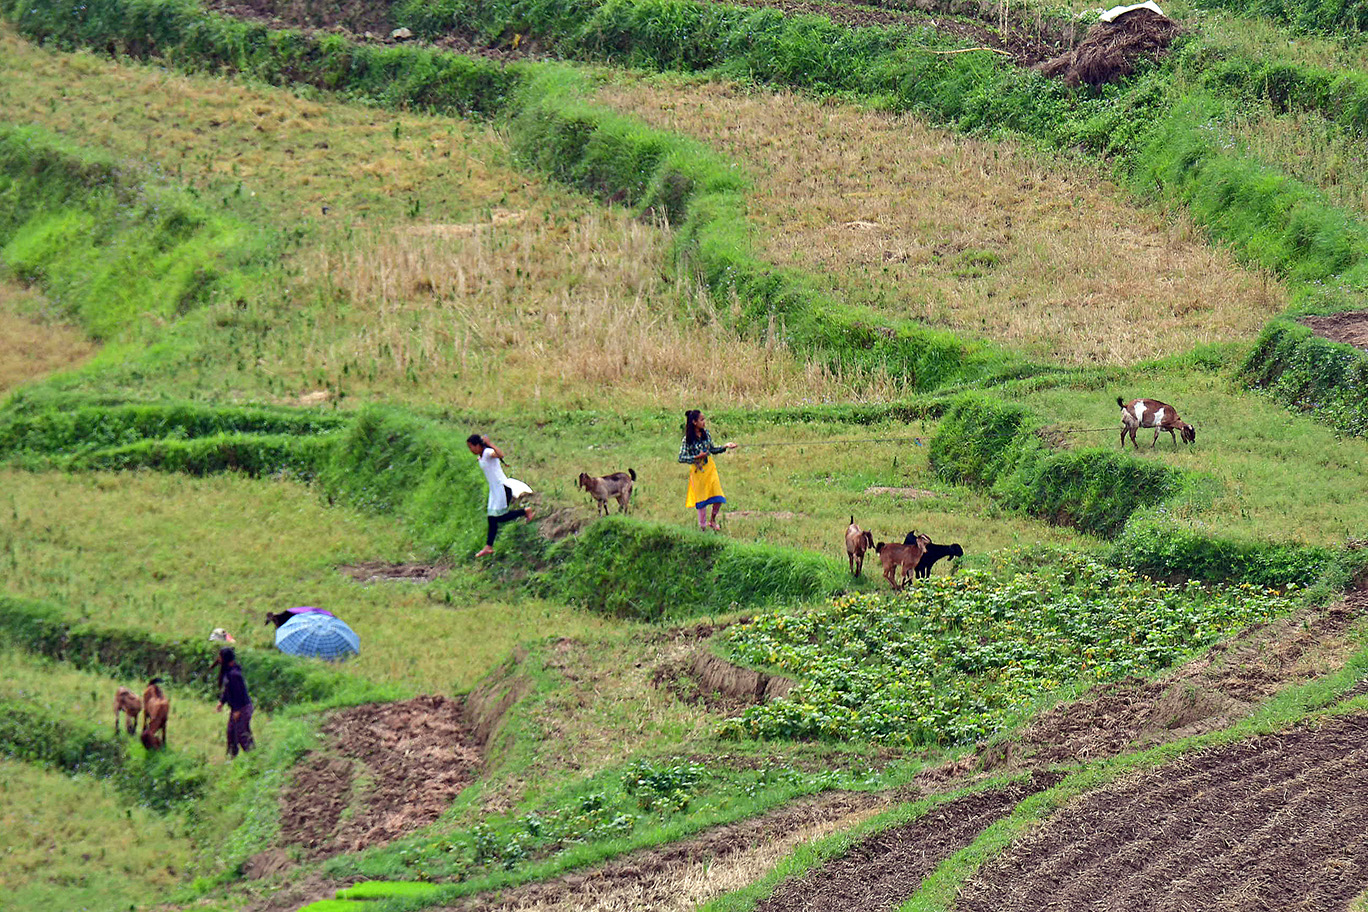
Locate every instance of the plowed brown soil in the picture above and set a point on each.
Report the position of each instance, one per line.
(379, 571)
(888, 867)
(1206, 694)
(411, 757)
(1350, 328)
(1277, 822)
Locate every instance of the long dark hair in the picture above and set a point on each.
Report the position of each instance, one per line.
(226, 660)
(691, 434)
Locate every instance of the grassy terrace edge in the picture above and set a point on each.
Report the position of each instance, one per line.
(418, 470)
(388, 461)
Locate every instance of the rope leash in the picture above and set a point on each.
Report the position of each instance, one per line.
(919, 441)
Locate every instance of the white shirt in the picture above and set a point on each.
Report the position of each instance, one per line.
(494, 474)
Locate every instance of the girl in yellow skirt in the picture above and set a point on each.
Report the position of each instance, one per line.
(697, 452)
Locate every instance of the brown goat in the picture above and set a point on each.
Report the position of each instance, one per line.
(616, 486)
(125, 701)
(893, 555)
(156, 707)
(1151, 413)
(858, 541)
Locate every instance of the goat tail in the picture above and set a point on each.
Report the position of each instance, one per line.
(632, 472)
(1121, 402)
(154, 681)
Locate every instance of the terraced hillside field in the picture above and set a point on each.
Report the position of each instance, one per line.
(265, 266)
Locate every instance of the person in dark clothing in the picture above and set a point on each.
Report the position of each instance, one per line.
(233, 691)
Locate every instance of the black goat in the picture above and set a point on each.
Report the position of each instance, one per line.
(933, 553)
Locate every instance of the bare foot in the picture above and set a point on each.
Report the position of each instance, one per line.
(484, 552)
(531, 515)
(715, 527)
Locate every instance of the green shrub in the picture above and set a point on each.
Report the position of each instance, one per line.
(651, 572)
(977, 440)
(250, 454)
(1159, 543)
(1095, 490)
(391, 462)
(991, 444)
(1312, 16)
(1309, 373)
(46, 424)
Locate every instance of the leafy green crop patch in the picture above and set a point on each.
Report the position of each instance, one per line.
(955, 659)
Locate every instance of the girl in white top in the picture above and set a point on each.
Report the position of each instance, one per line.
(502, 489)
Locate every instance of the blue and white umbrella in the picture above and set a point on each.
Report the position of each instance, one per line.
(316, 634)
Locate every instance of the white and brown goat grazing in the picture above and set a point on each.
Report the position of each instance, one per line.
(1151, 413)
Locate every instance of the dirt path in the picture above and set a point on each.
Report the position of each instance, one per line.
(684, 874)
(1278, 822)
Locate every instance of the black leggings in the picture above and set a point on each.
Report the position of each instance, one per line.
(495, 521)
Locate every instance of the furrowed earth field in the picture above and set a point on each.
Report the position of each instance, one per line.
(263, 268)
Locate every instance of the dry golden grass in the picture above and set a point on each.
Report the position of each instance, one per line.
(444, 274)
(268, 152)
(32, 345)
(532, 308)
(986, 238)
